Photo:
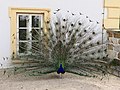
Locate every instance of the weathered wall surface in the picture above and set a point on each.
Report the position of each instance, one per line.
(112, 24)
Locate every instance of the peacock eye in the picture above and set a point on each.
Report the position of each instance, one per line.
(98, 51)
(107, 55)
(86, 55)
(64, 20)
(80, 35)
(47, 22)
(45, 34)
(90, 38)
(98, 42)
(91, 45)
(72, 25)
(56, 23)
(70, 32)
(80, 23)
(93, 53)
(73, 46)
(63, 40)
(86, 16)
(57, 37)
(49, 29)
(51, 35)
(97, 22)
(63, 26)
(77, 30)
(93, 33)
(105, 50)
(53, 42)
(57, 30)
(85, 30)
(63, 33)
(41, 28)
(79, 46)
(84, 42)
(73, 35)
(90, 20)
(13, 53)
(91, 58)
(98, 57)
(103, 57)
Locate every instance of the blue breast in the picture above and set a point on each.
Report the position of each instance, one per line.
(61, 70)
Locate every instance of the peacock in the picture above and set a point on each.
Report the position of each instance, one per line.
(73, 43)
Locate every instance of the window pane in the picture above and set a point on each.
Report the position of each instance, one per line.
(22, 34)
(35, 34)
(35, 21)
(23, 20)
(22, 47)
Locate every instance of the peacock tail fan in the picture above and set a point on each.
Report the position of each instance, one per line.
(73, 41)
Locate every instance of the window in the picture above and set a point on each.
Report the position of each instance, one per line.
(26, 25)
(28, 28)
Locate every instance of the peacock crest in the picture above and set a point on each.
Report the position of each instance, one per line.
(71, 41)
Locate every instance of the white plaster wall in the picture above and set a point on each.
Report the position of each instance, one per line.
(92, 8)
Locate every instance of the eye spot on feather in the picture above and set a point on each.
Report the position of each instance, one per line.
(98, 43)
(103, 57)
(72, 25)
(91, 58)
(84, 42)
(41, 28)
(97, 22)
(86, 48)
(77, 30)
(93, 53)
(64, 20)
(63, 40)
(86, 16)
(48, 22)
(91, 45)
(57, 37)
(56, 23)
(74, 47)
(98, 51)
(45, 34)
(57, 30)
(105, 50)
(70, 32)
(49, 29)
(98, 57)
(80, 35)
(90, 20)
(79, 46)
(107, 55)
(63, 33)
(63, 27)
(93, 33)
(79, 23)
(85, 30)
(90, 38)
(53, 42)
(51, 35)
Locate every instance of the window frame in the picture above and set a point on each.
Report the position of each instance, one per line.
(13, 11)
